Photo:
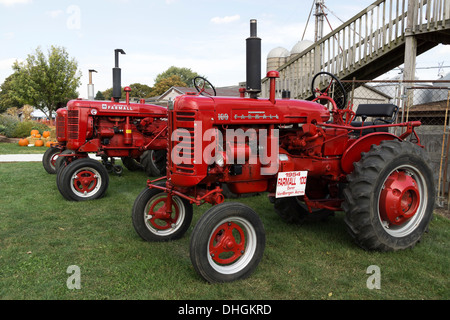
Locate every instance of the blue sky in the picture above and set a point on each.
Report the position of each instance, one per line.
(207, 36)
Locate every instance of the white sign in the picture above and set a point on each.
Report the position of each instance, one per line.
(291, 184)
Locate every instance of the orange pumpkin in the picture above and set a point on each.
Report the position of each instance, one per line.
(23, 142)
(34, 132)
(49, 144)
(38, 135)
(46, 134)
(39, 143)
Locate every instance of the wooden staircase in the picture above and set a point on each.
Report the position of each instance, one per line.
(383, 36)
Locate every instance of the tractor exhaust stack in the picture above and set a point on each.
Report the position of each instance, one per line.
(117, 77)
(253, 61)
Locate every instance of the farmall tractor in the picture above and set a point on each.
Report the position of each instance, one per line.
(134, 132)
(312, 161)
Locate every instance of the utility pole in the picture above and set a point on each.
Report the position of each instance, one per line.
(319, 13)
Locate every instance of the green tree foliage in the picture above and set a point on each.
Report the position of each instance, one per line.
(99, 96)
(7, 100)
(186, 75)
(166, 83)
(46, 82)
(138, 90)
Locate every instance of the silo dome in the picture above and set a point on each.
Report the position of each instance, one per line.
(278, 52)
(276, 58)
(301, 46)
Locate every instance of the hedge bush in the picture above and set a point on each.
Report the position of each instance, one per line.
(9, 123)
(12, 128)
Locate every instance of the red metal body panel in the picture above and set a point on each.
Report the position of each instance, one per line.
(111, 128)
(311, 138)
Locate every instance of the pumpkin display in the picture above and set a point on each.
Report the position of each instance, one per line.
(46, 134)
(23, 142)
(34, 132)
(38, 143)
(37, 135)
(49, 144)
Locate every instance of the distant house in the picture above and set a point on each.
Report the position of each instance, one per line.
(173, 92)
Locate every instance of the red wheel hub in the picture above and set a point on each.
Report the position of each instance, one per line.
(227, 243)
(85, 181)
(160, 218)
(400, 198)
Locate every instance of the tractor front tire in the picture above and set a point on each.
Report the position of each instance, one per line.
(151, 221)
(83, 179)
(227, 243)
(49, 159)
(389, 200)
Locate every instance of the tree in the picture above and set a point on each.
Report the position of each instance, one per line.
(99, 96)
(166, 83)
(141, 91)
(138, 90)
(186, 75)
(6, 95)
(46, 82)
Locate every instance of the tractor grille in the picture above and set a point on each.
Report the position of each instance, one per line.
(72, 122)
(61, 128)
(184, 122)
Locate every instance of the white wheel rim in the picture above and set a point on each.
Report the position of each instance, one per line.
(250, 247)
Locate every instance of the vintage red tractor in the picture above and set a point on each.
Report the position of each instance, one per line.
(312, 161)
(134, 132)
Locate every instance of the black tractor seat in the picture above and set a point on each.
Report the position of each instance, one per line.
(380, 114)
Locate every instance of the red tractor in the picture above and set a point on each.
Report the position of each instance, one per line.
(312, 161)
(134, 132)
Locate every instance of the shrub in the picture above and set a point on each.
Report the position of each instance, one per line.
(9, 123)
(23, 129)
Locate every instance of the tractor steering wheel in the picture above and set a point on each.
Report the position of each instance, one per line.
(335, 90)
(204, 86)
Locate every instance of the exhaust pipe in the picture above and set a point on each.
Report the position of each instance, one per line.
(253, 61)
(117, 77)
(91, 85)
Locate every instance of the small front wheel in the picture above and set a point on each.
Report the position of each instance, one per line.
(49, 159)
(83, 179)
(227, 243)
(153, 222)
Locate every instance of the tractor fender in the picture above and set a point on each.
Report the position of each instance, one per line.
(363, 144)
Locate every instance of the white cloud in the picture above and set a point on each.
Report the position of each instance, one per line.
(226, 19)
(54, 13)
(8, 35)
(10, 3)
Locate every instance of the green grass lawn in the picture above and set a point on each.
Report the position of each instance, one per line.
(41, 235)
(14, 148)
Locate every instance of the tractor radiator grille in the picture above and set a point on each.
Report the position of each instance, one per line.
(72, 122)
(61, 128)
(184, 147)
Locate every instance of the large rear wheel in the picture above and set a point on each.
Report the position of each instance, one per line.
(227, 243)
(389, 200)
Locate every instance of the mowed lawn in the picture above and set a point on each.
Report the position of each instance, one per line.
(42, 235)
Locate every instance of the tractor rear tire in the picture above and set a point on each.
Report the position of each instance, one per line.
(83, 179)
(294, 211)
(154, 162)
(131, 164)
(151, 227)
(227, 243)
(389, 200)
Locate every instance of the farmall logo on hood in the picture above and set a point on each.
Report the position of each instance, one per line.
(118, 107)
